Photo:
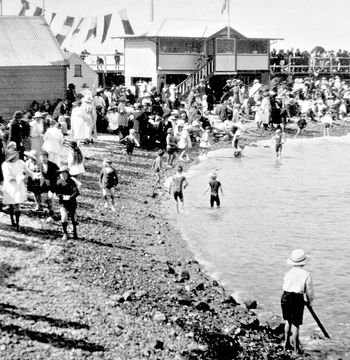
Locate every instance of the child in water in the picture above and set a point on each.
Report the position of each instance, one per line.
(214, 186)
(297, 287)
(108, 181)
(177, 185)
(280, 140)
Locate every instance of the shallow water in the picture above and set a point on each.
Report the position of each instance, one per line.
(267, 211)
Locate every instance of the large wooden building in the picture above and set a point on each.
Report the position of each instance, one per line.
(32, 64)
(175, 50)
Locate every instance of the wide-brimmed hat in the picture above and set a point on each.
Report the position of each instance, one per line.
(33, 154)
(38, 115)
(297, 258)
(85, 86)
(87, 99)
(10, 154)
(63, 169)
(111, 107)
(170, 131)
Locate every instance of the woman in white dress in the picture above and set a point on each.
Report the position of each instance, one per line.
(53, 141)
(14, 190)
(36, 132)
(78, 123)
(90, 119)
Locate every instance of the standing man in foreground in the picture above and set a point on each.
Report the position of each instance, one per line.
(177, 185)
(297, 288)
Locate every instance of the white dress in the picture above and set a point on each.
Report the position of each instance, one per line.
(53, 141)
(14, 190)
(185, 140)
(78, 124)
(36, 135)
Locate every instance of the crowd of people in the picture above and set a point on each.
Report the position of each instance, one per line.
(143, 116)
(317, 60)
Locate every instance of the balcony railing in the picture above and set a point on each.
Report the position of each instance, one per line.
(108, 64)
(303, 65)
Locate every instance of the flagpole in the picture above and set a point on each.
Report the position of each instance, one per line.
(228, 19)
(152, 11)
(0, 7)
(44, 8)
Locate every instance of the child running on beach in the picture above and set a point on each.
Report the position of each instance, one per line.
(280, 139)
(297, 287)
(130, 141)
(108, 181)
(157, 167)
(214, 186)
(177, 185)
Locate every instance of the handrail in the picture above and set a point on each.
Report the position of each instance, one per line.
(193, 79)
(108, 62)
(310, 64)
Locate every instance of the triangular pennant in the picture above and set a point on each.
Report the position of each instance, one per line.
(38, 11)
(92, 29)
(126, 23)
(107, 22)
(52, 17)
(66, 28)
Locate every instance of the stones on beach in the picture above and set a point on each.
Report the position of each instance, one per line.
(202, 306)
(215, 283)
(184, 276)
(276, 324)
(159, 317)
(251, 304)
(230, 300)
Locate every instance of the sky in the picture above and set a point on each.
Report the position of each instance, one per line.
(302, 24)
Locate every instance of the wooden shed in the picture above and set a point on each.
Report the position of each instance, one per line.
(79, 73)
(32, 64)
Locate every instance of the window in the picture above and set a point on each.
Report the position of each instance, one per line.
(225, 46)
(77, 71)
(182, 46)
(252, 47)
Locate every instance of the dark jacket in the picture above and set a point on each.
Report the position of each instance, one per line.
(68, 187)
(50, 176)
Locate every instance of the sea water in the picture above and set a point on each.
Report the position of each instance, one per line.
(267, 211)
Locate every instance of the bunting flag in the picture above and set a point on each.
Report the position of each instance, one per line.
(38, 11)
(25, 6)
(107, 22)
(224, 5)
(126, 23)
(76, 30)
(66, 28)
(52, 17)
(92, 29)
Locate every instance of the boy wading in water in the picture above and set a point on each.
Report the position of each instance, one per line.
(214, 186)
(108, 181)
(297, 287)
(157, 167)
(280, 140)
(177, 185)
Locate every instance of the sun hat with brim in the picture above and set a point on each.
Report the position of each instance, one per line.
(38, 115)
(11, 154)
(297, 258)
(88, 99)
(63, 169)
(169, 131)
(111, 107)
(33, 154)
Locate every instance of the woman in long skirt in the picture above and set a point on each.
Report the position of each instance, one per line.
(14, 190)
(36, 132)
(53, 141)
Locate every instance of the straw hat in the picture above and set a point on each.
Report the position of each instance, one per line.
(297, 258)
(170, 131)
(33, 154)
(63, 169)
(88, 99)
(38, 115)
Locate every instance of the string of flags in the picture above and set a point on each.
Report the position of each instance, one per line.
(67, 26)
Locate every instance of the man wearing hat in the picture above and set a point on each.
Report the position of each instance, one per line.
(297, 287)
(18, 130)
(67, 191)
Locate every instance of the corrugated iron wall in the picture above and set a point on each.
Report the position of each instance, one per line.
(19, 86)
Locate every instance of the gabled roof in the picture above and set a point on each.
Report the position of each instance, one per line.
(198, 28)
(28, 41)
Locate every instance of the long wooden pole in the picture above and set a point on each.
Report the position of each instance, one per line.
(228, 19)
(1, 7)
(312, 312)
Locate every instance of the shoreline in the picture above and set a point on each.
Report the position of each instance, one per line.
(129, 286)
